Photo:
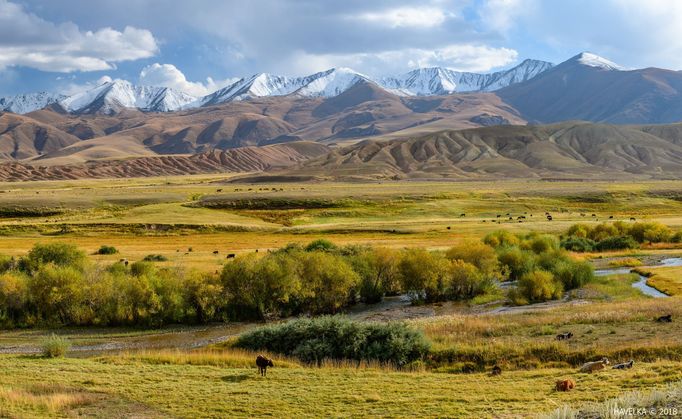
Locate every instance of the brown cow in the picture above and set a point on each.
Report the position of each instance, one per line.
(565, 385)
(263, 363)
(496, 370)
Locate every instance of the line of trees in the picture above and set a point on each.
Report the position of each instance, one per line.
(58, 284)
(617, 235)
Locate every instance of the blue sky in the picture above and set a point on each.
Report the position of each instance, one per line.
(201, 45)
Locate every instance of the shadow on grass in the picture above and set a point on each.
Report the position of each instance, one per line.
(238, 378)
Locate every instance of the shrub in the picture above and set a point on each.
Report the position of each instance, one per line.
(676, 238)
(334, 337)
(544, 243)
(321, 245)
(574, 274)
(379, 273)
(55, 346)
(578, 244)
(478, 254)
(6, 263)
(256, 288)
(106, 250)
(501, 238)
(465, 281)
(616, 243)
(536, 287)
(59, 254)
(651, 232)
(13, 297)
(155, 258)
(329, 282)
(517, 261)
(423, 274)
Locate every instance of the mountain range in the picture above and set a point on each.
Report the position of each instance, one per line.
(584, 117)
(114, 96)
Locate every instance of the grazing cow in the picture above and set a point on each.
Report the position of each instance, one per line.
(610, 217)
(215, 252)
(665, 319)
(624, 365)
(499, 215)
(565, 385)
(594, 215)
(564, 336)
(632, 218)
(263, 363)
(218, 190)
(230, 256)
(594, 366)
(462, 215)
(496, 370)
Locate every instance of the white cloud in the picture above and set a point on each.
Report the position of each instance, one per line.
(71, 88)
(463, 57)
(167, 75)
(28, 40)
(424, 17)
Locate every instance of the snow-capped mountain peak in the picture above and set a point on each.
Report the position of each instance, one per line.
(330, 83)
(29, 102)
(444, 81)
(114, 96)
(593, 60)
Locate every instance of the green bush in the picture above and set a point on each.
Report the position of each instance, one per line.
(617, 243)
(423, 274)
(155, 258)
(518, 262)
(55, 346)
(334, 337)
(321, 245)
(536, 287)
(578, 244)
(106, 250)
(59, 254)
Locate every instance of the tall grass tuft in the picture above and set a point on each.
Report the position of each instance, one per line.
(55, 346)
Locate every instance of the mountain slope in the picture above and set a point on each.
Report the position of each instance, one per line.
(22, 137)
(567, 150)
(591, 88)
(248, 159)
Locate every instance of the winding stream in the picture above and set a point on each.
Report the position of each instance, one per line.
(641, 284)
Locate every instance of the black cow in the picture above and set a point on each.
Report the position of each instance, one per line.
(263, 363)
(564, 336)
(665, 319)
(230, 256)
(624, 365)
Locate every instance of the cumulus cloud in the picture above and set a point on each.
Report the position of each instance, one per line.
(30, 41)
(68, 87)
(406, 17)
(464, 57)
(167, 75)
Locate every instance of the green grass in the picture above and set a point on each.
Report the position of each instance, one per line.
(665, 279)
(102, 387)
